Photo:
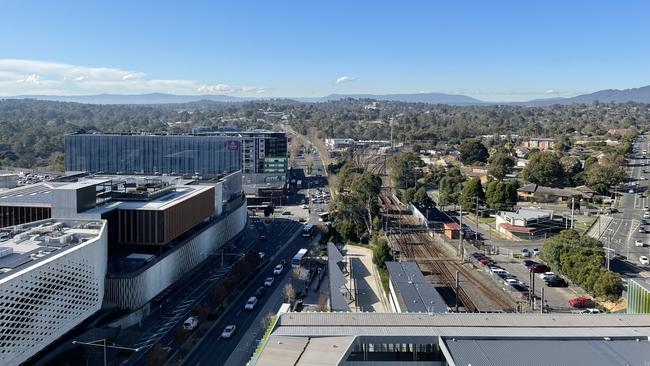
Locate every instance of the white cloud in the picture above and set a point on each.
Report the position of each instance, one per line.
(36, 77)
(230, 89)
(550, 91)
(31, 79)
(343, 79)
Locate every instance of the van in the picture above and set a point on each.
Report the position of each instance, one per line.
(191, 323)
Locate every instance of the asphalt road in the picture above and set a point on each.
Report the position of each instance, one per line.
(623, 231)
(212, 349)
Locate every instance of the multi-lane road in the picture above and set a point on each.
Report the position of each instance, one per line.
(623, 231)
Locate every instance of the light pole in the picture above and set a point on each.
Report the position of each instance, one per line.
(103, 343)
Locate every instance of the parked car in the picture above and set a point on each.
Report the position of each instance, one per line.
(525, 252)
(535, 251)
(646, 215)
(644, 260)
(590, 311)
(304, 206)
(278, 269)
(286, 213)
(638, 243)
(250, 304)
(268, 281)
(545, 275)
(641, 229)
(528, 263)
(262, 255)
(539, 268)
(228, 331)
(581, 302)
(260, 292)
(521, 290)
(556, 282)
(513, 281)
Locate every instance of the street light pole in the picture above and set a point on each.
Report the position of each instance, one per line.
(103, 343)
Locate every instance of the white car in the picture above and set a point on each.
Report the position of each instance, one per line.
(250, 304)
(278, 269)
(646, 215)
(546, 274)
(268, 281)
(590, 311)
(190, 323)
(638, 243)
(304, 206)
(228, 331)
(513, 281)
(631, 191)
(644, 260)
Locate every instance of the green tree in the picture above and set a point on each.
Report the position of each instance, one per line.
(472, 151)
(501, 164)
(403, 170)
(544, 168)
(606, 174)
(472, 191)
(381, 252)
(421, 196)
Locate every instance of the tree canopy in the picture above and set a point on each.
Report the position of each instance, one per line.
(473, 151)
(544, 168)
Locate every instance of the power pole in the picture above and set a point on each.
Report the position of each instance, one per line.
(572, 207)
(476, 233)
(541, 308)
(457, 289)
(460, 236)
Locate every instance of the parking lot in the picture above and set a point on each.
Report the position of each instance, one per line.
(556, 298)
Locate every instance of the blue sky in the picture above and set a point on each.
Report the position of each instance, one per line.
(498, 51)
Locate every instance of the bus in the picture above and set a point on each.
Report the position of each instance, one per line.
(297, 259)
(308, 230)
(324, 217)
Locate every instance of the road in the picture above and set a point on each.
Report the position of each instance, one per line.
(623, 231)
(212, 349)
(158, 330)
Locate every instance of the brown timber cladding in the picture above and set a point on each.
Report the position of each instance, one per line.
(158, 227)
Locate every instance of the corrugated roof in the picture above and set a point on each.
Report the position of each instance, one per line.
(336, 279)
(414, 293)
(536, 352)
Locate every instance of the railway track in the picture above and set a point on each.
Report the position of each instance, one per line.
(420, 247)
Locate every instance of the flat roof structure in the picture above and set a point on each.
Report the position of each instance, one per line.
(411, 292)
(457, 339)
(39, 194)
(26, 245)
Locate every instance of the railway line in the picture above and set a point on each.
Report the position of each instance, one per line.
(419, 246)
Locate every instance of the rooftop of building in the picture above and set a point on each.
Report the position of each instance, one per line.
(418, 294)
(642, 282)
(27, 245)
(195, 132)
(472, 338)
(33, 195)
(528, 213)
(582, 191)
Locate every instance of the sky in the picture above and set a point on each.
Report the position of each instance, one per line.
(491, 50)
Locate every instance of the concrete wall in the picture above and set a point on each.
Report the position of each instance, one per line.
(133, 290)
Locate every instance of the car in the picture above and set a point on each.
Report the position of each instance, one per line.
(641, 230)
(262, 237)
(278, 269)
(631, 191)
(581, 302)
(259, 293)
(286, 213)
(644, 259)
(304, 206)
(638, 243)
(535, 251)
(302, 219)
(539, 268)
(590, 311)
(190, 323)
(545, 275)
(643, 222)
(262, 255)
(484, 261)
(646, 215)
(528, 263)
(250, 304)
(513, 281)
(228, 331)
(525, 252)
(269, 281)
(556, 282)
(645, 208)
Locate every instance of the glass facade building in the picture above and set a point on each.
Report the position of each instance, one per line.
(153, 154)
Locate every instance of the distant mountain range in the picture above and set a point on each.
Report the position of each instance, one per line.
(640, 95)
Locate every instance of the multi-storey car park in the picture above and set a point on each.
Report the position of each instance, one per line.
(52, 275)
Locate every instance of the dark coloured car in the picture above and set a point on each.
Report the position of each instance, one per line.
(260, 292)
(556, 282)
(539, 268)
(528, 263)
